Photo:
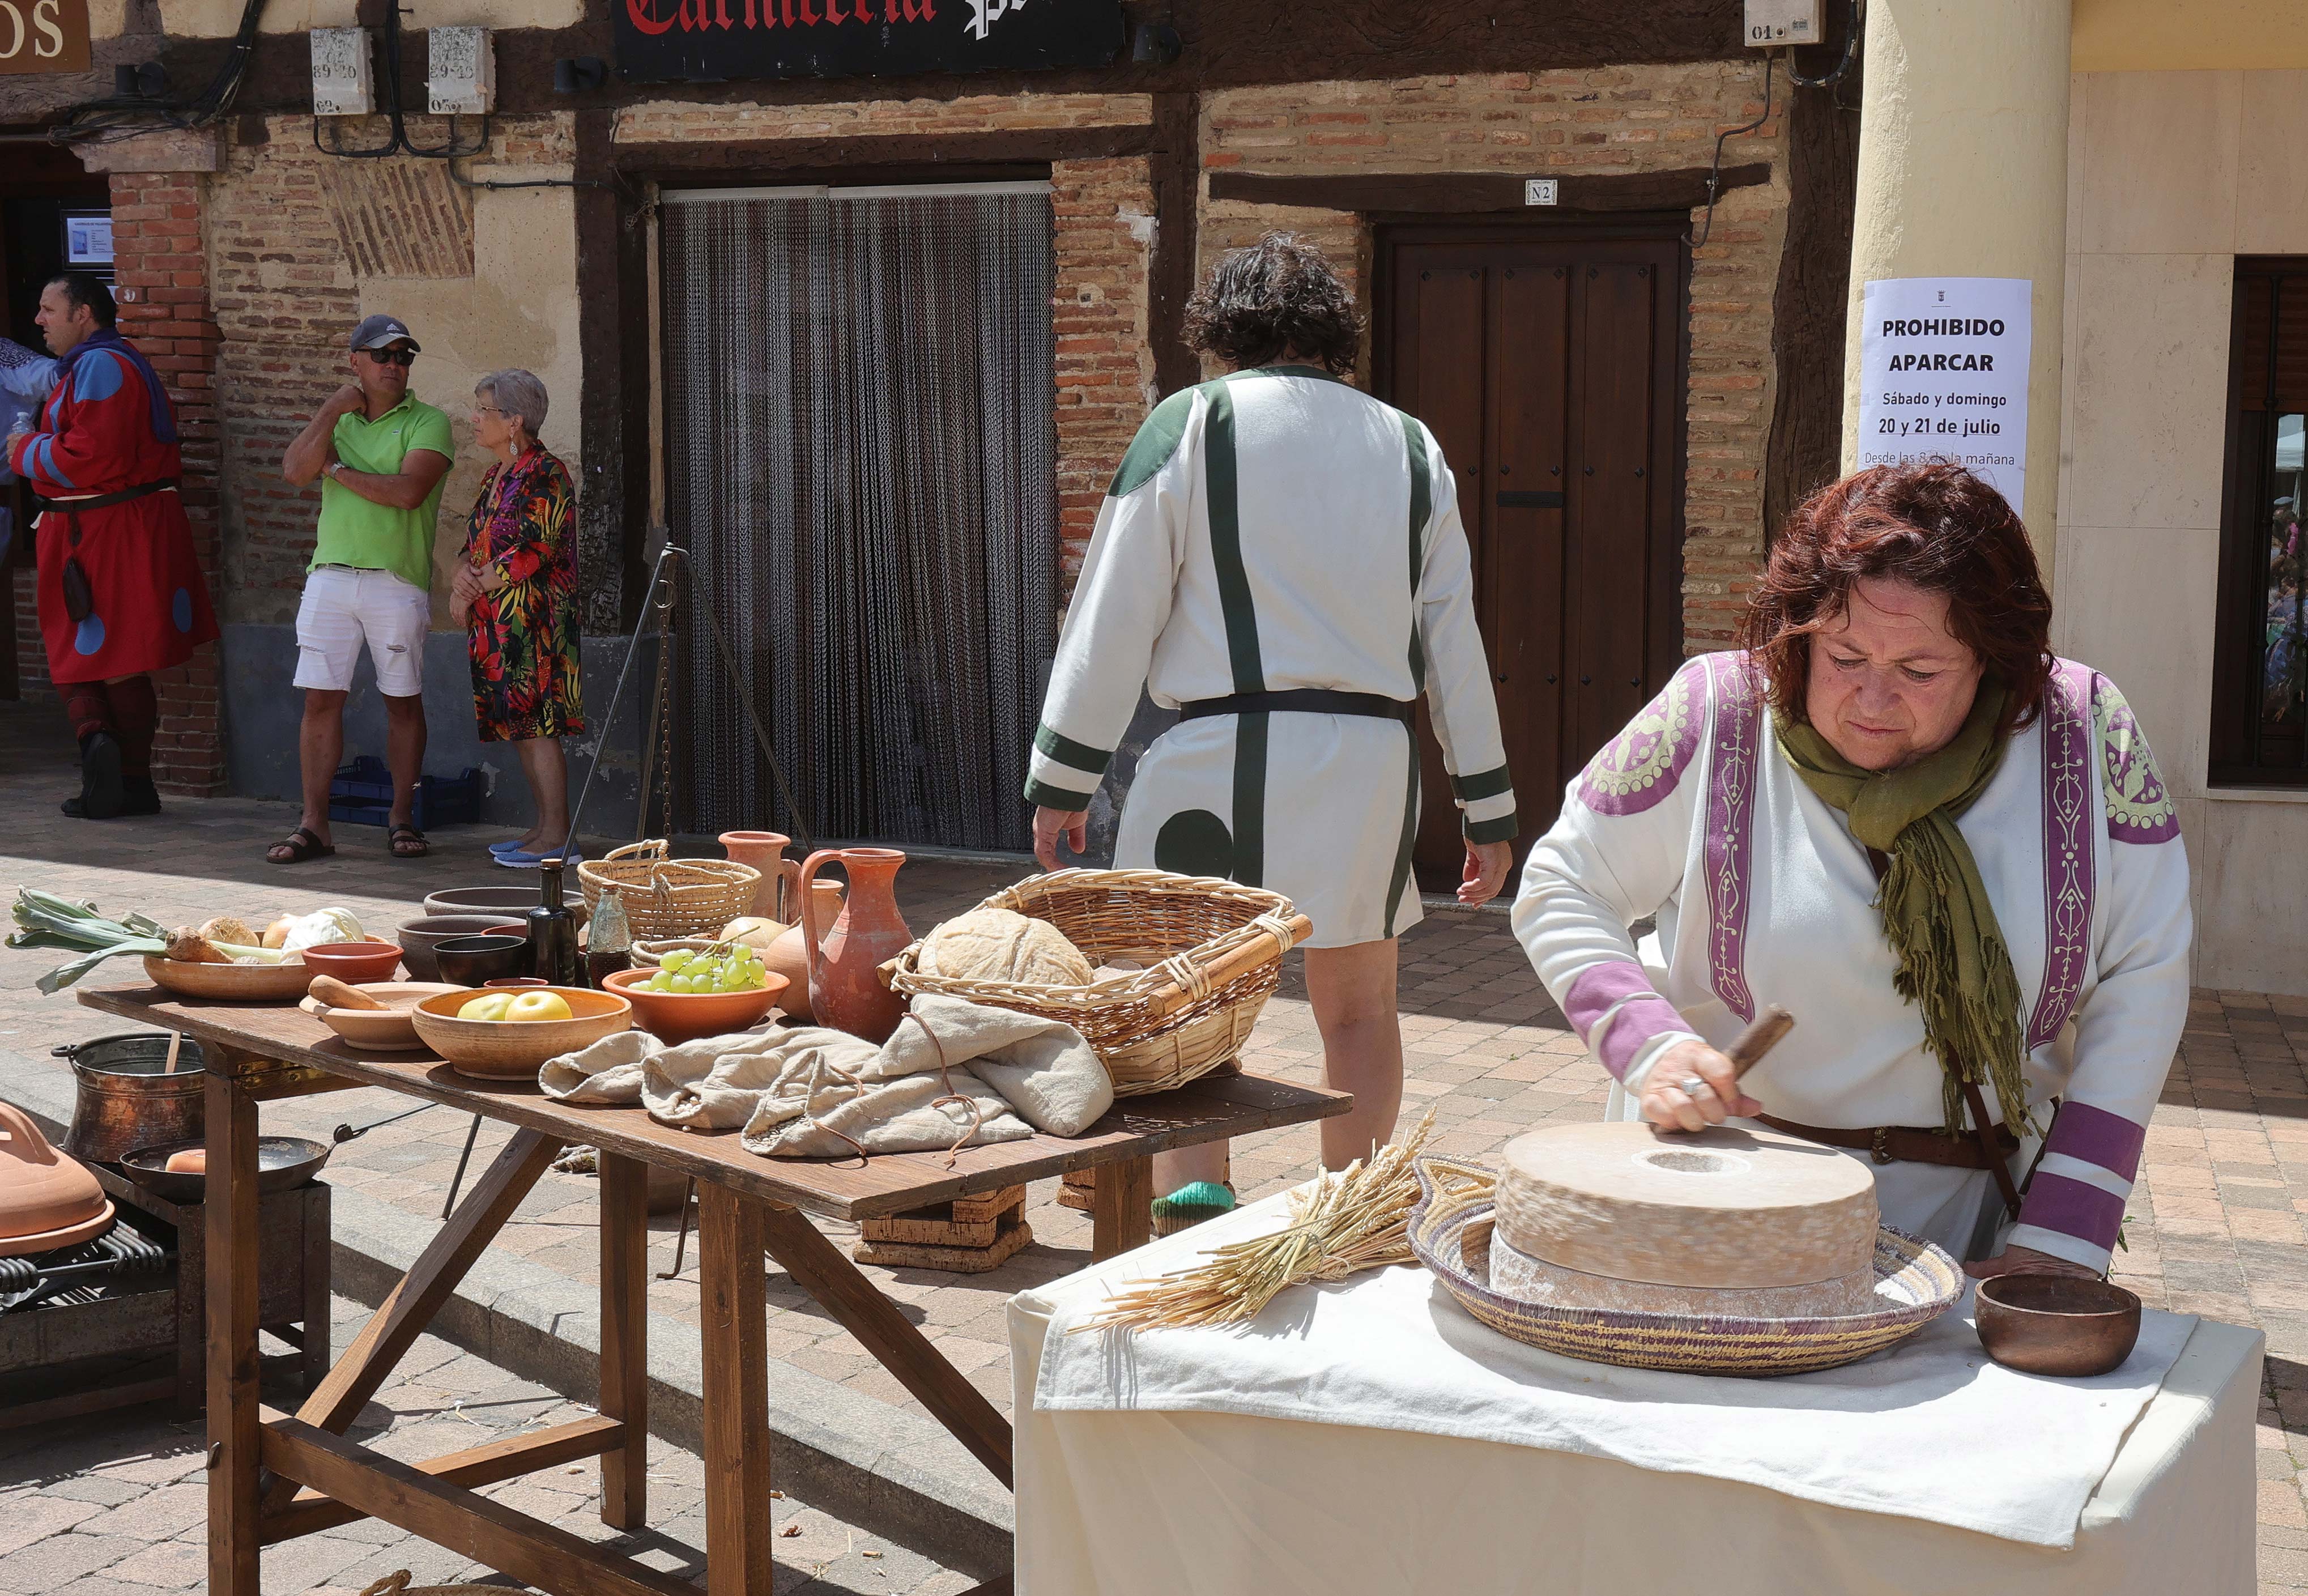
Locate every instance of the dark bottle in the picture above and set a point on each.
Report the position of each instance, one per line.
(608, 940)
(552, 934)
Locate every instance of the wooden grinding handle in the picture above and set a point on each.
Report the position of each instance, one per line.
(333, 992)
(1748, 1050)
(1251, 954)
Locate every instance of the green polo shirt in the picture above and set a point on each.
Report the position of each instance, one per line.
(372, 537)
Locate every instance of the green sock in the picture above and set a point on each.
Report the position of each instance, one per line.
(1190, 1205)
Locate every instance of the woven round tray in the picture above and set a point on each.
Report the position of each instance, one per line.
(1450, 1233)
(1212, 956)
(396, 1584)
(667, 897)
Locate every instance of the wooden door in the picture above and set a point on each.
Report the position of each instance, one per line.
(1548, 363)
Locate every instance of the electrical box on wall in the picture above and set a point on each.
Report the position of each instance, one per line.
(461, 71)
(1771, 23)
(341, 84)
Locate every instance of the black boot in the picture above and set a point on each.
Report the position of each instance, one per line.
(102, 794)
(139, 796)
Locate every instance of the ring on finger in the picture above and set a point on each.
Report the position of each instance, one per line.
(1692, 1085)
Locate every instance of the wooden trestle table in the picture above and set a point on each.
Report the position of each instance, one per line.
(275, 1476)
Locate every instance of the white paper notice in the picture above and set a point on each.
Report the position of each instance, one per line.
(1943, 375)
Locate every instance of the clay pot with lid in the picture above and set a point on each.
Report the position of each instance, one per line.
(47, 1199)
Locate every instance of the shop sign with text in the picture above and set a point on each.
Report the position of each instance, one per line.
(43, 36)
(714, 40)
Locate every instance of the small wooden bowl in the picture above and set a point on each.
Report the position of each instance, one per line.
(685, 1016)
(512, 1049)
(2056, 1325)
(234, 983)
(353, 962)
(388, 1030)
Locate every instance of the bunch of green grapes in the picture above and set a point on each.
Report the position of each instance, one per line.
(725, 967)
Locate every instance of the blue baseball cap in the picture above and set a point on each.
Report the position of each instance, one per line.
(375, 331)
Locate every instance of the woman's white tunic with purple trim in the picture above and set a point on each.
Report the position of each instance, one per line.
(1761, 896)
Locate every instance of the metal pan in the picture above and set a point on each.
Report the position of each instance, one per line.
(282, 1162)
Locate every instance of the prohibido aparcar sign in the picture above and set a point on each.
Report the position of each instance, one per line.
(713, 40)
(1943, 375)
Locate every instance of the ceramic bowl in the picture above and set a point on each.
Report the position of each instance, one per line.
(476, 961)
(418, 937)
(512, 1049)
(234, 983)
(353, 962)
(379, 1030)
(2057, 1325)
(508, 929)
(494, 902)
(685, 1016)
(282, 1163)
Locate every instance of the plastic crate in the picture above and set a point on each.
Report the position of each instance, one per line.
(361, 794)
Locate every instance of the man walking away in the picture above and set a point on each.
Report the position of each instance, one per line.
(121, 593)
(381, 453)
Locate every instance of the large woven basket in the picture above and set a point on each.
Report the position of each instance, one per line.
(667, 897)
(1450, 1233)
(1212, 952)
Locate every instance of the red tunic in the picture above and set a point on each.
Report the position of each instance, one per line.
(107, 427)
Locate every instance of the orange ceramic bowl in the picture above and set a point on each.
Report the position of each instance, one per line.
(353, 962)
(685, 1016)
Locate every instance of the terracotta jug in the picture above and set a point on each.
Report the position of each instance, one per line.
(845, 981)
(780, 885)
(789, 954)
(47, 1199)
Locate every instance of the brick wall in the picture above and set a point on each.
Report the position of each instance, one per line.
(32, 657)
(1104, 216)
(680, 122)
(1599, 122)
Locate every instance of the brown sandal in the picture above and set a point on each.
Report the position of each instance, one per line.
(399, 835)
(302, 845)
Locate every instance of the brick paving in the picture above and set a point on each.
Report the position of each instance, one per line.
(2214, 1227)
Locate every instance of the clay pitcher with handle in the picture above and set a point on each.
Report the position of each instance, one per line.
(844, 982)
(778, 897)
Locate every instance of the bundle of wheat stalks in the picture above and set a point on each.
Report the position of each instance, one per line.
(1347, 1221)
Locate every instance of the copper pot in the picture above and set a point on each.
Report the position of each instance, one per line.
(125, 1100)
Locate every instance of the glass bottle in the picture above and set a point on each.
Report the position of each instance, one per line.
(609, 939)
(553, 934)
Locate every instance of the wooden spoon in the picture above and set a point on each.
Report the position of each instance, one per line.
(333, 992)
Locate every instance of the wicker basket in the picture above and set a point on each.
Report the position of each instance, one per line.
(1213, 955)
(667, 897)
(1450, 1233)
(396, 1584)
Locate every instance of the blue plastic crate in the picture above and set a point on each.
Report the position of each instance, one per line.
(362, 795)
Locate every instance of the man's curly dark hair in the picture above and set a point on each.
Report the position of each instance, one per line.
(1274, 298)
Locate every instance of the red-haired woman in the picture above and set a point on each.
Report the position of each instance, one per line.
(1896, 815)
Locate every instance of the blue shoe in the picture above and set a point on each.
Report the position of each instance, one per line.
(510, 845)
(515, 859)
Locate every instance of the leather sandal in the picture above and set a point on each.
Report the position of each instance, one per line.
(302, 845)
(399, 834)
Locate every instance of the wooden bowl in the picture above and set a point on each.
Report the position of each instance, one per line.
(2057, 1325)
(685, 1016)
(419, 937)
(353, 962)
(234, 983)
(512, 1049)
(380, 1031)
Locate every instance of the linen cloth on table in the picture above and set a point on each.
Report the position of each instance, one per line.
(1931, 1430)
(955, 1073)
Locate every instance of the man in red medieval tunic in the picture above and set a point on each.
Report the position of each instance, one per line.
(121, 595)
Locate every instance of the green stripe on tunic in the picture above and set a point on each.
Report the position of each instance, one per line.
(1240, 616)
(1422, 504)
(1067, 751)
(1043, 796)
(1482, 784)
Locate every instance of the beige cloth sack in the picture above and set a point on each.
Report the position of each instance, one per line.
(809, 1091)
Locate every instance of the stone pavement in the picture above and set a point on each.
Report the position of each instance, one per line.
(2214, 1226)
(115, 1504)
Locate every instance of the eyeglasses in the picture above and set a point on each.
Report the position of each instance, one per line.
(487, 410)
(401, 358)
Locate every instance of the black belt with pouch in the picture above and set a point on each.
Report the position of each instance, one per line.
(1312, 701)
(80, 599)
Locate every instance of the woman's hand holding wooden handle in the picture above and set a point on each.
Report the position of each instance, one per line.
(1666, 1103)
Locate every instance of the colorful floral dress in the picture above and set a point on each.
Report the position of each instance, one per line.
(523, 638)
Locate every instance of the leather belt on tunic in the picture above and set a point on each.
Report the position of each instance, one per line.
(79, 596)
(1903, 1143)
(1308, 701)
(98, 501)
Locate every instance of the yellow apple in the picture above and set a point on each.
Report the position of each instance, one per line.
(537, 1005)
(489, 1005)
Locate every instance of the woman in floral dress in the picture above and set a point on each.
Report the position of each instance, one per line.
(517, 587)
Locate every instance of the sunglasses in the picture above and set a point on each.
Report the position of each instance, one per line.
(401, 358)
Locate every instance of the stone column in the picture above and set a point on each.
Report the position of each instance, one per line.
(1963, 172)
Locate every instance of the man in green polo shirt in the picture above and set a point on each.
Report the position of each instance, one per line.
(381, 453)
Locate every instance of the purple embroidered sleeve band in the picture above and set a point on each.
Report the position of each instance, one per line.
(2094, 1136)
(2089, 1213)
(1597, 989)
(1616, 997)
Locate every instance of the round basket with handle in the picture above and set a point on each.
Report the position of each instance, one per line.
(667, 897)
(1211, 953)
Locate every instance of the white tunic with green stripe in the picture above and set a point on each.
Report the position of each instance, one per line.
(1273, 530)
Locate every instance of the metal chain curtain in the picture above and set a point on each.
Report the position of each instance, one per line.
(861, 460)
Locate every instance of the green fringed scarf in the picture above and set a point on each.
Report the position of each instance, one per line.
(1954, 964)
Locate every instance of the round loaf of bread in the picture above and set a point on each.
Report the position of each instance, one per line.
(1726, 1208)
(999, 945)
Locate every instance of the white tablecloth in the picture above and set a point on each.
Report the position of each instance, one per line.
(1115, 1503)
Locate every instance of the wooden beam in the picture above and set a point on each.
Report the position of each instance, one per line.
(1007, 147)
(624, 1338)
(450, 1515)
(822, 1269)
(1121, 1208)
(515, 1456)
(1469, 193)
(229, 1236)
(1170, 274)
(734, 1331)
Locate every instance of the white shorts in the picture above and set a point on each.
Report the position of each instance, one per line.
(344, 608)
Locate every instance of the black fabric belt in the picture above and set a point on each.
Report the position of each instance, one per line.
(1305, 701)
(102, 500)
